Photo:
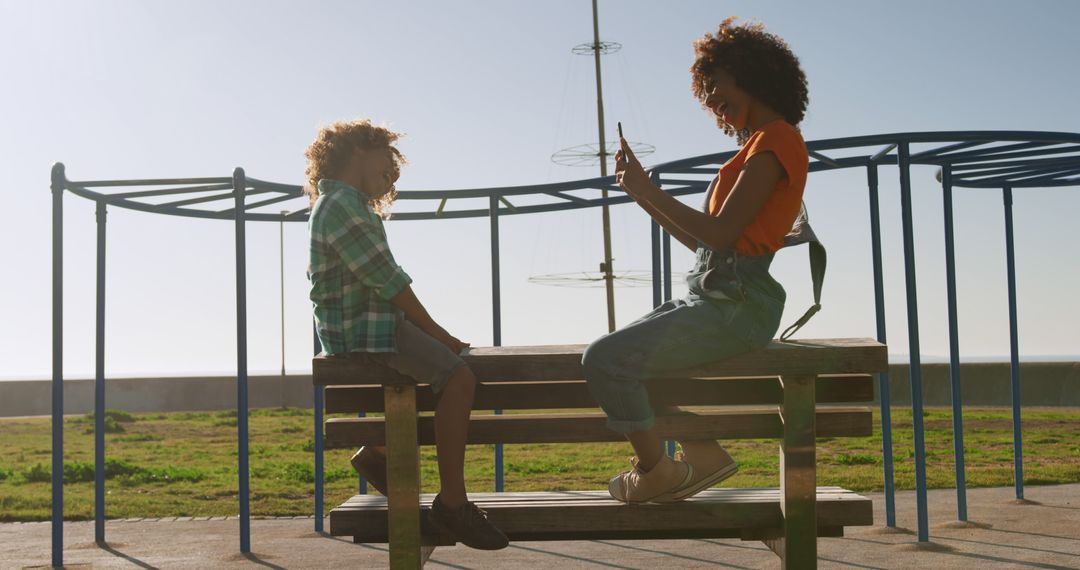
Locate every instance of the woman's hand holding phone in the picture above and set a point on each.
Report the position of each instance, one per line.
(629, 173)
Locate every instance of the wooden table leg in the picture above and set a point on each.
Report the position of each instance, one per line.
(403, 476)
(798, 474)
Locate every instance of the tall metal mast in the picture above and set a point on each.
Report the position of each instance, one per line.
(586, 155)
(605, 267)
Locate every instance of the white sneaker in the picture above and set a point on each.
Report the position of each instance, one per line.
(708, 470)
(658, 485)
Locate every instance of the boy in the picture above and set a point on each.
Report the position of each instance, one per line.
(363, 303)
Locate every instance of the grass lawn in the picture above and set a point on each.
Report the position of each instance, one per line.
(184, 464)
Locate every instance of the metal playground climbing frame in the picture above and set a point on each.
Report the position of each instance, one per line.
(992, 160)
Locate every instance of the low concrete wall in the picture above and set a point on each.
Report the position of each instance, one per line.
(989, 384)
(983, 384)
(34, 397)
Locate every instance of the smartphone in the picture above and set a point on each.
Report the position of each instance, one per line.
(620, 129)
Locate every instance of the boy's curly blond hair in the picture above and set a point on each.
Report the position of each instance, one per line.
(335, 145)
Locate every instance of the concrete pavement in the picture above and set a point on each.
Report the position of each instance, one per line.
(1043, 533)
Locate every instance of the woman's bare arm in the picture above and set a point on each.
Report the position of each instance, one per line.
(752, 189)
(668, 225)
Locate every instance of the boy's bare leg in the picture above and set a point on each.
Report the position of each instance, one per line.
(451, 429)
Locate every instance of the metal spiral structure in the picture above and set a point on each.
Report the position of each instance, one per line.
(589, 154)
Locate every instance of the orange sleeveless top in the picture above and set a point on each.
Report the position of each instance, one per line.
(765, 234)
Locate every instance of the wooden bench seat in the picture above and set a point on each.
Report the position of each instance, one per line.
(563, 362)
(739, 423)
(830, 389)
(791, 391)
(748, 514)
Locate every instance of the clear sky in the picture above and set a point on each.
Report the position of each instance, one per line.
(486, 92)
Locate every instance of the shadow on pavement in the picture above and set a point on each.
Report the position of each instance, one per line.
(254, 558)
(105, 546)
(668, 553)
(570, 556)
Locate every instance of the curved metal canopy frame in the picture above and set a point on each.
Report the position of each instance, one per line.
(1003, 160)
(976, 159)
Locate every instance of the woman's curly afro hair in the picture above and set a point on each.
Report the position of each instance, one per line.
(762, 65)
(335, 146)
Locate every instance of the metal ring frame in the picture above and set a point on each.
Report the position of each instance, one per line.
(1003, 160)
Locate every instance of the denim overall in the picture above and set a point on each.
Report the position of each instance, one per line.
(734, 306)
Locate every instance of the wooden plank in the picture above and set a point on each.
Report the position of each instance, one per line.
(715, 513)
(798, 476)
(500, 396)
(726, 495)
(751, 521)
(560, 363)
(736, 423)
(831, 389)
(826, 356)
(540, 363)
(403, 477)
(354, 368)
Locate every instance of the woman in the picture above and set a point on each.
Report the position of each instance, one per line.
(753, 85)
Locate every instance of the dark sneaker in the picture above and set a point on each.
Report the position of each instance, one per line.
(372, 466)
(467, 524)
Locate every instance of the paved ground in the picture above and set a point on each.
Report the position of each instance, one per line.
(1045, 533)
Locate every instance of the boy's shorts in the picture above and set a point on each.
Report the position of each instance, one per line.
(420, 356)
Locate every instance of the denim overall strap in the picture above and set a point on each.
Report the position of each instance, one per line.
(800, 233)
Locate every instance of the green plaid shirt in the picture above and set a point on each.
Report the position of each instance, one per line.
(352, 272)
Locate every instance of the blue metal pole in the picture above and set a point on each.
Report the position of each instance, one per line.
(667, 265)
(657, 277)
(496, 318)
(361, 484)
(657, 280)
(1014, 348)
(319, 404)
(904, 156)
(954, 348)
(666, 245)
(99, 384)
(239, 187)
(57, 187)
(496, 294)
(664, 259)
(884, 394)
